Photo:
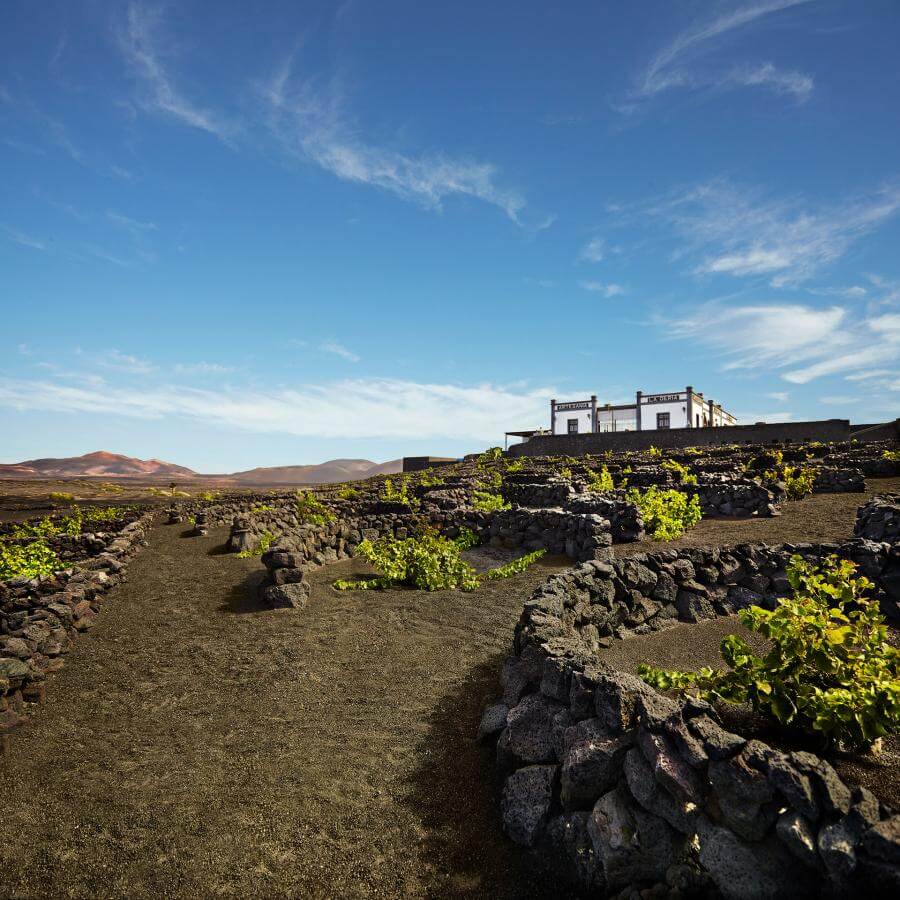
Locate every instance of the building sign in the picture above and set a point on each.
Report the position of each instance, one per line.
(562, 407)
(660, 398)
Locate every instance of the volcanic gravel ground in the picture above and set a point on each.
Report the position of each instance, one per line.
(819, 517)
(196, 745)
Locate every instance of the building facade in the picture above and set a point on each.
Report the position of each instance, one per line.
(686, 408)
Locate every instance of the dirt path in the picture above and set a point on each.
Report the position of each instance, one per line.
(196, 745)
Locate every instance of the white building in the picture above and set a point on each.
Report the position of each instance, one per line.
(650, 412)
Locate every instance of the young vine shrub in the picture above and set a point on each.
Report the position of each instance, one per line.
(666, 514)
(514, 567)
(27, 560)
(391, 494)
(265, 542)
(600, 481)
(680, 470)
(487, 501)
(311, 510)
(466, 539)
(427, 561)
(830, 671)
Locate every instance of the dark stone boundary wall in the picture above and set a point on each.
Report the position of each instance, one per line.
(39, 617)
(827, 430)
(879, 519)
(631, 789)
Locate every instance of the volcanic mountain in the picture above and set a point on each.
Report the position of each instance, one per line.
(112, 465)
(99, 464)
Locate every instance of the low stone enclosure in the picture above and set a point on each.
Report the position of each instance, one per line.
(629, 788)
(39, 617)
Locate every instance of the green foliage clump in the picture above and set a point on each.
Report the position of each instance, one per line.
(265, 541)
(311, 510)
(830, 670)
(487, 501)
(391, 494)
(167, 492)
(515, 465)
(61, 496)
(261, 508)
(655, 453)
(208, 495)
(666, 514)
(27, 560)
(891, 455)
(681, 471)
(107, 487)
(514, 567)
(566, 473)
(466, 539)
(600, 481)
(430, 478)
(346, 492)
(427, 561)
(491, 455)
(766, 461)
(798, 482)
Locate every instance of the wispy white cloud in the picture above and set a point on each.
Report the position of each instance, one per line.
(201, 368)
(23, 239)
(740, 233)
(308, 119)
(780, 396)
(133, 225)
(374, 408)
(339, 350)
(593, 251)
(677, 65)
(142, 44)
(124, 362)
(838, 400)
(607, 290)
(804, 342)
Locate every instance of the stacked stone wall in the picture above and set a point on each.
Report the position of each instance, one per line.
(633, 790)
(39, 617)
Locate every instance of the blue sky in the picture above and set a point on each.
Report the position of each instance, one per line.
(373, 229)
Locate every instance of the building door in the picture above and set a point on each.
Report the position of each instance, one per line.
(662, 420)
(573, 426)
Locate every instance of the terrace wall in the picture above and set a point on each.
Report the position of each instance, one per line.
(775, 433)
(624, 785)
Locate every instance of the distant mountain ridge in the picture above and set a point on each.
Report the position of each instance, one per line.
(102, 464)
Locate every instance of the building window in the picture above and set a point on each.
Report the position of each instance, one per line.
(573, 426)
(662, 420)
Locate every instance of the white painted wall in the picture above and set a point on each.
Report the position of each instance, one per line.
(676, 411)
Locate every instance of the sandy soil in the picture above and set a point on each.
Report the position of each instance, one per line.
(196, 745)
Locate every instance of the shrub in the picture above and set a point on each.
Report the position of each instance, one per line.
(486, 501)
(891, 455)
(600, 481)
(348, 493)
(681, 471)
(515, 465)
(514, 567)
(654, 453)
(566, 473)
(208, 495)
(61, 497)
(491, 455)
(430, 478)
(466, 539)
(261, 508)
(666, 514)
(107, 487)
(765, 461)
(265, 542)
(27, 560)
(798, 482)
(390, 494)
(830, 670)
(311, 510)
(427, 561)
